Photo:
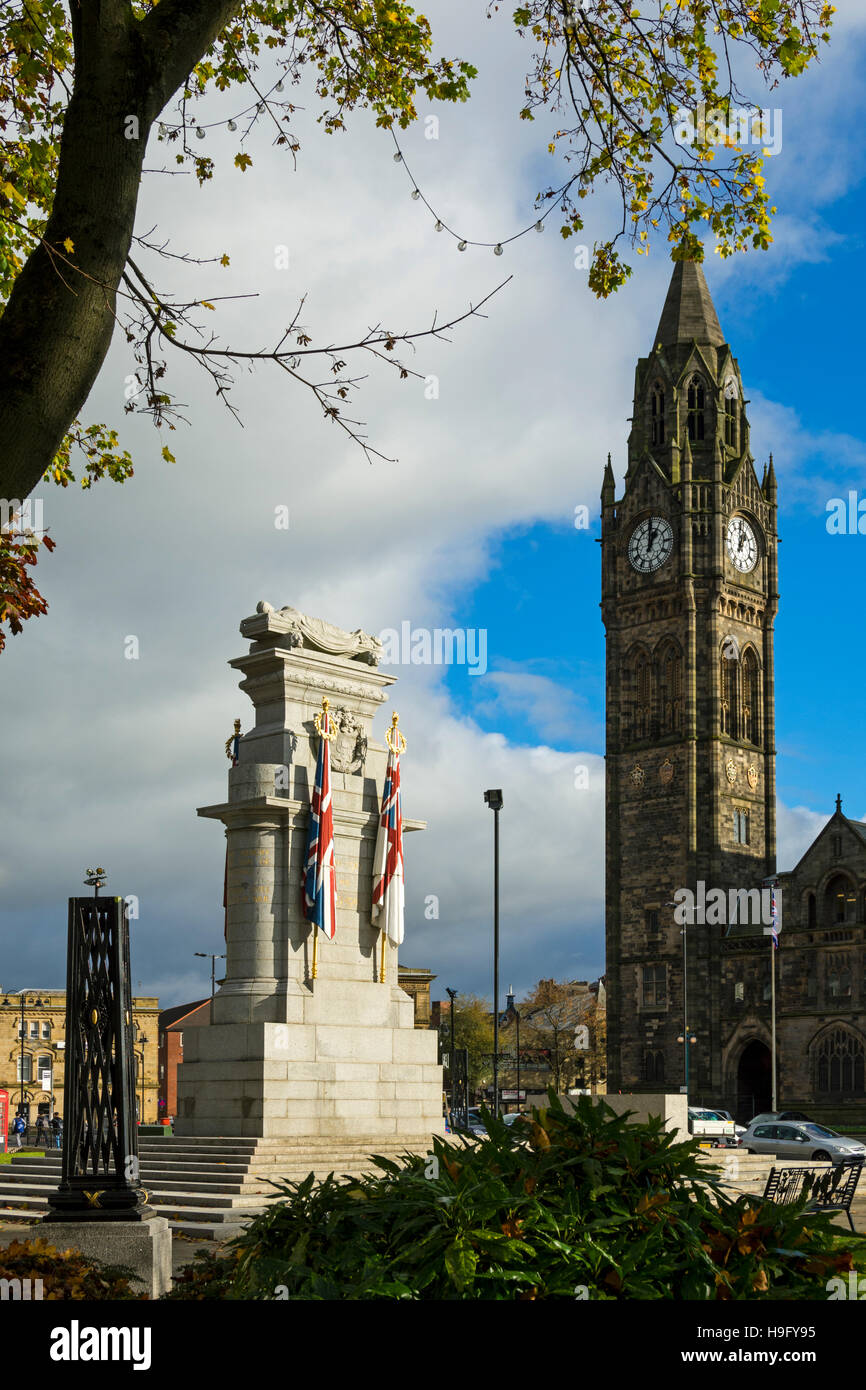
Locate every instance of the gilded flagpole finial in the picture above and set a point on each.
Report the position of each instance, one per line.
(394, 737)
(230, 741)
(320, 718)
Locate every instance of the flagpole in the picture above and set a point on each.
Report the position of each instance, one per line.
(382, 964)
(315, 971)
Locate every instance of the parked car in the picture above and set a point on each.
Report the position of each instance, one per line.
(806, 1141)
(710, 1128)
(514, 1118)
(766, 1117)
(726, 1115)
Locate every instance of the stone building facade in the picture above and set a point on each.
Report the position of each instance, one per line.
(42, 1087)
(820, 988)
(689, 596)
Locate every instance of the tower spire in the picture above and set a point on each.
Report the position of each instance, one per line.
(688, 311)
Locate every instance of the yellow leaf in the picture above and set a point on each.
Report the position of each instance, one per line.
(206, 305)
(69, 245)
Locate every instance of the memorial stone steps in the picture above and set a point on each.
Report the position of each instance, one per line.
(207, 1187)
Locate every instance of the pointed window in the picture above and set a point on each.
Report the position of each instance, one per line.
(729, 684)
(643, 695)
(839, 1057)
(657, 414)
(696, 409)
(731, 415)
(671, 689)
(750, 730)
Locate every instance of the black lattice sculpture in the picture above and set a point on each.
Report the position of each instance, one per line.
(100, 1139)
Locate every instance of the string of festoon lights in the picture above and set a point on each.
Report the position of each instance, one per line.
(230, 123)
(440, 226)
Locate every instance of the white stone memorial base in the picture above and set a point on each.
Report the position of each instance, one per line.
(351, 1063)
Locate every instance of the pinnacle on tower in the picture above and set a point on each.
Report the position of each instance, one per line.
(770, 482)
(688, 311)
(608, 487)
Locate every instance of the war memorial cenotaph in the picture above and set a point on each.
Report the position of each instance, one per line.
(292, 1052)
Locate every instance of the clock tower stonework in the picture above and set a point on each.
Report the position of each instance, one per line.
(689, 597)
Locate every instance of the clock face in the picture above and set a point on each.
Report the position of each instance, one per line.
(742, 547)
(650, 545)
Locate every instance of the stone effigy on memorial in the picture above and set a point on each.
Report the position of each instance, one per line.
(297, 1048)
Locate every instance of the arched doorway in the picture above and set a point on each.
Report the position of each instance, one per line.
(754, 1082)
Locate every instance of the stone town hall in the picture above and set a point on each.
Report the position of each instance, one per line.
(689, 598)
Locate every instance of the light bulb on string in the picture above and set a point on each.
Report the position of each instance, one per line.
(539, 226)
(279, 86)
(232, 125)
(497, 250)
(415, 194)
(162, 131)
(199, 131)
(397, 157)
(438, 226)
(461, 246)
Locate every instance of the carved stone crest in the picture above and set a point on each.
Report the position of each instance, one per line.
(637, 776)
(666, 772)
(752, 775)
(731, 770)
(348, 743)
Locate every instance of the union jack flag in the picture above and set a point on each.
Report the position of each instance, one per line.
(774, 913)
(388, 890)
(319, 878)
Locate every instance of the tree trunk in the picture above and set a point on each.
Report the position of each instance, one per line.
(57, 325)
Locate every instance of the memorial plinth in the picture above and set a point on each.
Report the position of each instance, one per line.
(286, 1054)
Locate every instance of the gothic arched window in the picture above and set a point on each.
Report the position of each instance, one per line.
(811, 911)
(696, 400)
(653, 1066)
(839, 1062)
(750, 695)
(671, 689)
(840, 901)
(643, 695)
(657, 414)
(731, 414)
(729, 685)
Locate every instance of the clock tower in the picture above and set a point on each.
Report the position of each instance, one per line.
(689, 597)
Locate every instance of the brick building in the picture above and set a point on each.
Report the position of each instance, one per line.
(172, 1023)
(39, 1085)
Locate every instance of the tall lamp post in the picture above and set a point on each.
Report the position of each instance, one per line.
(517, 1020)
(452, 995)
(494, 801)
(685, 1038)
(209, 955)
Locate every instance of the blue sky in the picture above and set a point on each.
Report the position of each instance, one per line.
(473, 527)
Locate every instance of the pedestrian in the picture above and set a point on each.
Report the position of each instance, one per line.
(19, 1128)
(57, 1127)
(41, 1131)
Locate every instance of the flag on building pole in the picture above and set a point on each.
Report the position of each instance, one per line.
(232, 749)
(319, 878)
(388, 889)
(774, 914)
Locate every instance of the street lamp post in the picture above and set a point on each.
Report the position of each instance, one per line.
(213, 958)
(517, 1020)
(686, 1038)
(452, 995)
(494, 801)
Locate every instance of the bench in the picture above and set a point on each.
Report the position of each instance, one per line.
(830, 1189)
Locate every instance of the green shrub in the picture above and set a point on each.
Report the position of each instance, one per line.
(582, 1205)
(64, 1274)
